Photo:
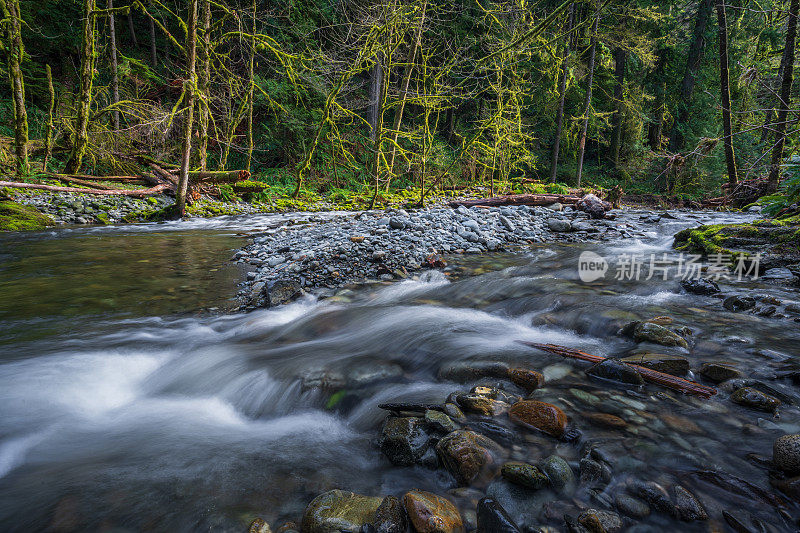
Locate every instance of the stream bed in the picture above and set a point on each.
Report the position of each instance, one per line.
(131, 401)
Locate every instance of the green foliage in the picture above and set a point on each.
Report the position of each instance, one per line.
(18, 217)
(788, 194)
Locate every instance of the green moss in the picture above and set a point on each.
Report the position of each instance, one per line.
(18, 217)
(103, 218)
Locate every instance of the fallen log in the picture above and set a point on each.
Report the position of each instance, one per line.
(653, 376)
(88, 177)
(136, 193)
(77, 181)
(519, 199)
(218, 176)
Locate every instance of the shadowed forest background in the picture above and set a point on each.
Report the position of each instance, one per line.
(348, 96)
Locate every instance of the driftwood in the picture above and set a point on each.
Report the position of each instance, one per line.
(220, 176)
(136, 193)
(87, 177)
(518, 199)
(653, 376)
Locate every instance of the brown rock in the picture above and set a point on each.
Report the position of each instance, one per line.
(534, 414)
(718, 372)
(357, 238)
(529, 380)
(606, 420)
(681, 424)
(259, 525)
(470, 457)
(430, 513)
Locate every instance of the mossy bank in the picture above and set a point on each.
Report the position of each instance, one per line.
(18, 217)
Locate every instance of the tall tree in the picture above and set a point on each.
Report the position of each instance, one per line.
(722, 22)
(787, 63)
(655, 131)
(587, 105)
(694, 57)
(562, 92)
(620, 60)
(203, 85)
(15, 53)
(190, 90)
(251, 91)
(112, 43)
(80, 135)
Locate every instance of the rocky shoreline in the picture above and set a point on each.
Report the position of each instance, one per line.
(319, 254)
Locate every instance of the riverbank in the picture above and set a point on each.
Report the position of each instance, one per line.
(323, 254)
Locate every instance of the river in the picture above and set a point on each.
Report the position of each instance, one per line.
(131, 400)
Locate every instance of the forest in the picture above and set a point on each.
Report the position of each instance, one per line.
(350, 97)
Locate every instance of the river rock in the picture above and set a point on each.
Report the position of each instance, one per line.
(543, 416)
(440, 422)
(633, 507)
(719, 372)
(492, 518)
(465, 371)
(755, 399)
(738, 303)
(654, 494)
(593, 206)
(606, 420)
(592, 471)
(529, 380)
(390, 517)
(338, 510)
(470, 457)
(600, 521)
(616, 371)
(670, 364)
(558, 472)
(559, 225)
(281, 292)
(430, 513)
(786, 453)
(688, 506)
(259, 525)
(525, 475)
(480, 404)
(403, 440)
(701, 286)
(650, 332)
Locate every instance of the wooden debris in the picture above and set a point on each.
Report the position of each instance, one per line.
(136, 193)
(518, 199)
(653, 376)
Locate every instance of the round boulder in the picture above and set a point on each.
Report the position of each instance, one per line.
(786, 453)
(430, 513)
(543, 416)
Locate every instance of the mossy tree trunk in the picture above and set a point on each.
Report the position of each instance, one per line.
(620, 60)
(80, 136)
(562, 94)
(251, 92)
(190, 90)
(48, 135)
(203, 85)
(787, 62)
(587, 105)
(724, 84)
(112, 35)
(15, 52)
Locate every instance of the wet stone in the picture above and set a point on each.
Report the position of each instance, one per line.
(670, 364)
(600, 521)
(650, 332)
(492, 518)
(786, 453)
(606, 420)
(440, 422)
(525, 475)
(390, 517)
(718, 372)
(592, 471)
(466, 371)
(430, 513)
(259, 525)
(337, 510)
(470, 457)
(654, 494)
(404, 440)
(558, 472)
(701, 286)
(539, 415)
(688, 506)
(755, 399)
(480, 404)
(630, 506)
(616, 371)
(737, 304)
(529, 380)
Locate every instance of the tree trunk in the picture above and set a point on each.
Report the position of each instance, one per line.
(131, 29)
(404, 83)
(450, 119)
(251, 92)
(588, 102)
(730, 158)
(112, 34)
(190, 87)
(375, 91)
(48, 134)
(15, 52)
(787, 62)
(378, 138)
(81, 134)
(620, 58)
(696, 48)
(562, 93)
(153, 52)
(656, 130)
(203, 82)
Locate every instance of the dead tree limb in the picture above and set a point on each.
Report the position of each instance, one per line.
(136, 193)
(653, 376)
(519, 199)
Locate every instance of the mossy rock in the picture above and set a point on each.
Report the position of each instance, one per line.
(778, 240)
(18, 217)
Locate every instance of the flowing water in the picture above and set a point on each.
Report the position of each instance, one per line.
(125, 405)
